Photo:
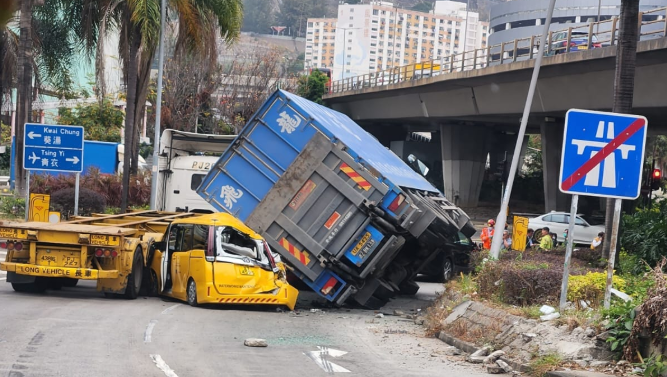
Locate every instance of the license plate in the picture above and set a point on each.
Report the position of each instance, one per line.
(582, 47)
(361, 243)
(8, 233)
(100, 240)
(58, 259)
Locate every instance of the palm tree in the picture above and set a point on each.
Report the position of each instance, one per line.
(197, 24)
(24, 92)
(624, 84)
(138, 23)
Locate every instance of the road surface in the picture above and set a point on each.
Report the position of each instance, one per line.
(77, 332)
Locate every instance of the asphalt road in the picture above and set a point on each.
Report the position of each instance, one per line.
(77, 332)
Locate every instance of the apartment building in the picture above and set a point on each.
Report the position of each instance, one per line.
(320, 43)
(377, 36)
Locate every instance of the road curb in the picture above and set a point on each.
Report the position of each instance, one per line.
(470, 348)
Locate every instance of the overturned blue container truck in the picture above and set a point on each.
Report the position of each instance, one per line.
(352, 219)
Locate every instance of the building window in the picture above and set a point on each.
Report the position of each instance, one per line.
(351, 17)
(375, 12)
(310, 24)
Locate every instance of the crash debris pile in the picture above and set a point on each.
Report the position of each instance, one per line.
(522, 339)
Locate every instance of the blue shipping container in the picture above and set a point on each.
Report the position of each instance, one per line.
(277, 134)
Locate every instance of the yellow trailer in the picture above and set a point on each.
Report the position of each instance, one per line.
(111, 249)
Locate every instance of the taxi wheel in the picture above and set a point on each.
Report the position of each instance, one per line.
(192, 293)
(134, 280)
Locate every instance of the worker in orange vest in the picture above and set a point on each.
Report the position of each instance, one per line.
(487, 234)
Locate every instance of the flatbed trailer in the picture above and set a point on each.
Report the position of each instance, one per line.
(114, 250)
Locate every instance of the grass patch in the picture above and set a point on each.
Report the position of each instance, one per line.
(543, 364)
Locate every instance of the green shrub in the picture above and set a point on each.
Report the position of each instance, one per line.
(12, 206)
(644, 234)
(591, 287)
(89, 202)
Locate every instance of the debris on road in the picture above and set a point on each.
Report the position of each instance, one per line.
(379, 315)
(495, 355)
(255, 342)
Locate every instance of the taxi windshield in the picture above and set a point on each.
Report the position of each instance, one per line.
(230, 243)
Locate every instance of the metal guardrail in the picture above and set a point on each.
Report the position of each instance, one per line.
(605, 31)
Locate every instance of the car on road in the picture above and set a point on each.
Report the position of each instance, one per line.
(216, 259)
(558, 222)
(578, 42)
(453, 258)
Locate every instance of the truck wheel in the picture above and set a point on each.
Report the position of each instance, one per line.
(375, 303)
(409, 288)
(192, 293)
(134, 280)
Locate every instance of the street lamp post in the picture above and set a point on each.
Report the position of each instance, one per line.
(158, 107)
(345, 29)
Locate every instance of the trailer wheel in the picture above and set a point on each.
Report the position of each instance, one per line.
(69, 282)
(38, 286)
(192, 293)
(134, 280)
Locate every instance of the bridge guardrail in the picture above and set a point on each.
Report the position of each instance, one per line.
(653, 24)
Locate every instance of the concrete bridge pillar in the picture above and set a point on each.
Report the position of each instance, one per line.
(552, 145)
(464, 152)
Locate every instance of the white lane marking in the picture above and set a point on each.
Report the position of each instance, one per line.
(170, 309)
(149, 331)
(319, 358)
(157, 359)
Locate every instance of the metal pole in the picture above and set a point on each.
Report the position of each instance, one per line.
(27, 194)
(568, 252)
(76, 195)
(597, 27)
(158, 106)
(502, 215)
(465, 33)
(612, 252)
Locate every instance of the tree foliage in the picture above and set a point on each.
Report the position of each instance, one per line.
(295, 13)
(100, 121)
(313, 86)
(644, 234)
(258, 16)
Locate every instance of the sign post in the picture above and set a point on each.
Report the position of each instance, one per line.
(603, 156)
(54, 149)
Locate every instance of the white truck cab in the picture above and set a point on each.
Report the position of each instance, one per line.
(184, 160)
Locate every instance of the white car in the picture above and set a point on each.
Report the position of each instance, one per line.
(558, 222)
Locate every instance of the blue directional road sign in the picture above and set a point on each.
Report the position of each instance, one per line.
(603, 154)
(53, 148)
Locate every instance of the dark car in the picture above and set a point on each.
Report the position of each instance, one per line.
(455, 259)
(578, 42)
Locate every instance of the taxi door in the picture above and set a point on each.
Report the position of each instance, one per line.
(176, 260)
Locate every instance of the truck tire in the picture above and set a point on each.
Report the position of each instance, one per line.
(375, 303)
(38, 286)
(69, 283)
(135, 278)
(409, 288)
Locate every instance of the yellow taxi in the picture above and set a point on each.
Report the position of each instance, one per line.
(216, 259)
